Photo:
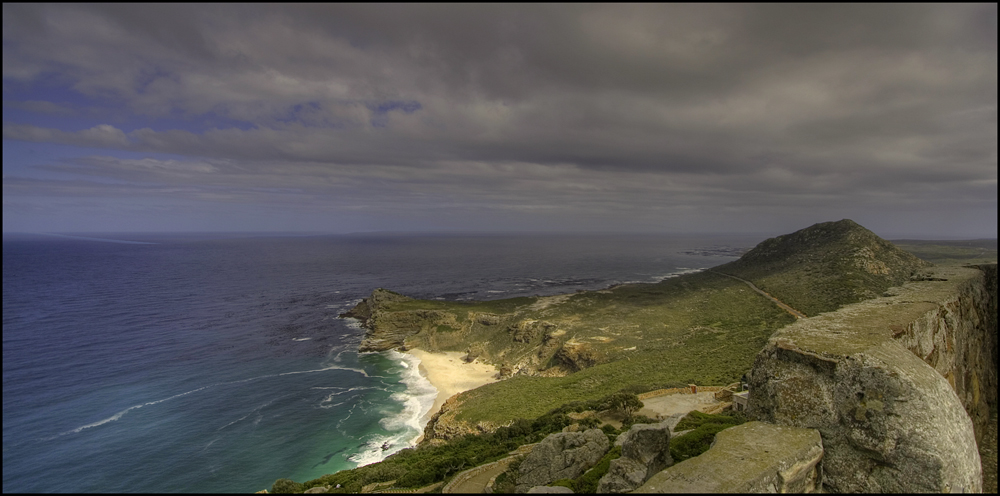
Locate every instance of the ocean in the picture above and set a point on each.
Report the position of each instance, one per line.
(217, 363)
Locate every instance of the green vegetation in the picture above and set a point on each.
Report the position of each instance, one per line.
(944, 252)
(825, 266)
(625, 403)
(504, 483)
(418, 467)
(576, 351)
(701, 328)
(637, 419)
(587, 483)
(705, 427)
(286, 486)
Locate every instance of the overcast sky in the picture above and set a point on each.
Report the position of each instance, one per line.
(653, 118)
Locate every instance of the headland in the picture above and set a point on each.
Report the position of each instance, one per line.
(565, 361)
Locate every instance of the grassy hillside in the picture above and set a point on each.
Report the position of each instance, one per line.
(825, 266)
(949, 252)
(703, 328)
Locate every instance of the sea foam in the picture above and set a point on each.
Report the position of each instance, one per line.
(408, 425)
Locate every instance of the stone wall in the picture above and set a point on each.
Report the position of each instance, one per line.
(681, 390)
(894, 384)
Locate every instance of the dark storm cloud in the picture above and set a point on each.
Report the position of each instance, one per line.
(603, 108)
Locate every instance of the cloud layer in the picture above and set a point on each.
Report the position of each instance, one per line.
(644, 117)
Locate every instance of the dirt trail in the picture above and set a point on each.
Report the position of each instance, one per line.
(476, 484)
(672, 404)
(785, 307)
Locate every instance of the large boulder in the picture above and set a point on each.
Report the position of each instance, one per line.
(750, 458)
(645, 451)
(565, 455)
(889, 409)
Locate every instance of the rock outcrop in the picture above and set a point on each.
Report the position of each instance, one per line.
(369, 306)
(574, 356)
(645, 451)
(750, 458)
(389, 330)
(525, 331)
(565, 455)
(888, 383)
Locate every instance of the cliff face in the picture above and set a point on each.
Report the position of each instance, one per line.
(955, 341)
(896, 385)
(389, 330)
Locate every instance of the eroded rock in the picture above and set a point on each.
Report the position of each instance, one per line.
(879, 380)
(750, 458)
(488, 318)
(565, 455)
(645, 451)
(576, 356)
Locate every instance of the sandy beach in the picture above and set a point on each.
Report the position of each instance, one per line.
(450, 375)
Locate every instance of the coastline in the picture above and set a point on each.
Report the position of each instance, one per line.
(450, 375)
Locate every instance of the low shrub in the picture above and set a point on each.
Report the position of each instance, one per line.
(587, 483)
(695, 419)
(700, 439)
(637, 419)
(564, 483)
(285, 486)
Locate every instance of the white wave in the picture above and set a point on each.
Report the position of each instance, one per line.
(301, 339)
(417, 399)
(408, 425)
(373, 451)
(247, 415)
(324, 402)
(129, 409)
(492, 291)
(133, 407)
(104, 240)
(681, 272)
(210, 443)
(353, 323)
(331, 367)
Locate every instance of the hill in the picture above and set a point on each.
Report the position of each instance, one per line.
(825, 266)
(700, 328)
(569, 353)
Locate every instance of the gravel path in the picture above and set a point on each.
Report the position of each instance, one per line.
(785, 307)
(670, 404)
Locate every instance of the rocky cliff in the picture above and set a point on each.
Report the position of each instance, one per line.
(389, 330)
(897, 385)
